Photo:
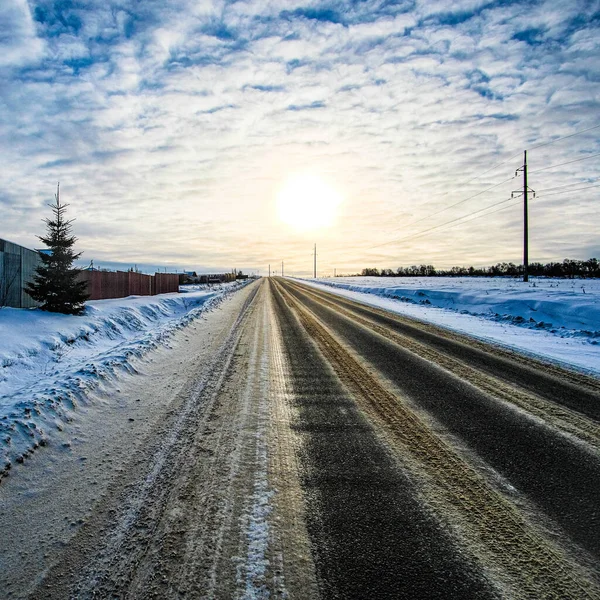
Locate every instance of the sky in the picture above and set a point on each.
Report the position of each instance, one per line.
(174, 126)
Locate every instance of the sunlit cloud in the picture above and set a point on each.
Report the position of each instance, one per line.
(173, 126)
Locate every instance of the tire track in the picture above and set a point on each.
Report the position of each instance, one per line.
(139, 556)
(531, 565)
(556, 472)
(292, 553)
(372, 533)
(567, 421)
(567, 388)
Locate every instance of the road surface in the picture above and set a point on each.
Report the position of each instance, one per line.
(301, 445)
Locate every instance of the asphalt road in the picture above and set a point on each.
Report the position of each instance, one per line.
(325, 449)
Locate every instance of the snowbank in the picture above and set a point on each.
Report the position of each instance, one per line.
(556, 319)
(49, 362)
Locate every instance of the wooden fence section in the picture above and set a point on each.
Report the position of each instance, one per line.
(163, 283)
(102, 285)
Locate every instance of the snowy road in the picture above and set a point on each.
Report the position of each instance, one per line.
(298, 444)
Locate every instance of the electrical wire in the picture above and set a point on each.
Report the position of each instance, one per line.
(466, 219)
(460, 220)
(486, 214)
(561, 187)
(449, 207)
(459, 202)
(492, 168)
(455, 223)
(569, 191)
(564, 137)
(420, 233)
(565, 163)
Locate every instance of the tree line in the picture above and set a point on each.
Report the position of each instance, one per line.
(568, 268)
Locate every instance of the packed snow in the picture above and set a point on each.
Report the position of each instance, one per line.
(50, 362)
(555, 319)
(252, 571)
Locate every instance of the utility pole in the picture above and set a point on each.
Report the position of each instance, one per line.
(269, 270)
(525, 193)
(335, 272)
(282, 268)
(525, 221)
(315, 263)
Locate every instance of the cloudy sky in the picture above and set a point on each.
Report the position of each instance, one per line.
(173, 126)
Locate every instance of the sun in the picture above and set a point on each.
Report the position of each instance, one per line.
(306, 202)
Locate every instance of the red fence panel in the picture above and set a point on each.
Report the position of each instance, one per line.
(165, 283)
(102, 285)
(134, 284)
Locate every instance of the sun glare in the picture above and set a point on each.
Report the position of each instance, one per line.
(306, 202)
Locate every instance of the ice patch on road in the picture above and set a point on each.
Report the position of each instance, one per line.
(252, 571)
(257, 535)
(50, 362)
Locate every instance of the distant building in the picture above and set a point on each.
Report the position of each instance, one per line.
(17, 268)
(188, 277)
(216, 277)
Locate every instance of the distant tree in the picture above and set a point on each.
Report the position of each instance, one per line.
(55, 283)
(567, 268)
(591, 267)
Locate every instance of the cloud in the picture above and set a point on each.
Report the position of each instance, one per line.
(326, 15)
(171, 126)
(19, 44)
(311, 106)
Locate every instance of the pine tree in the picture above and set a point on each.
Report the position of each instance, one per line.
(55, 283)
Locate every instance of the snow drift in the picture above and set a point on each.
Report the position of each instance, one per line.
(50, 362)
(556, 319)
(572, 305)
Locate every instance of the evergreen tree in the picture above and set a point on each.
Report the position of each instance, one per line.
(55, 283)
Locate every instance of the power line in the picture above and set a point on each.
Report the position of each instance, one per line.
(469, 181)
(455, 223)
(564, 137)
(561, 187)
(490, 213)
(445, 209)
(492, 168)
(494, 211)
(460, 202)
(484, 215)
(569, 191)
(565, 163)
(461, 219)
(498, 184)
(420, 233)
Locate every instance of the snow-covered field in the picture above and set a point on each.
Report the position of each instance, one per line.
(50, 362)
(556, 319)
